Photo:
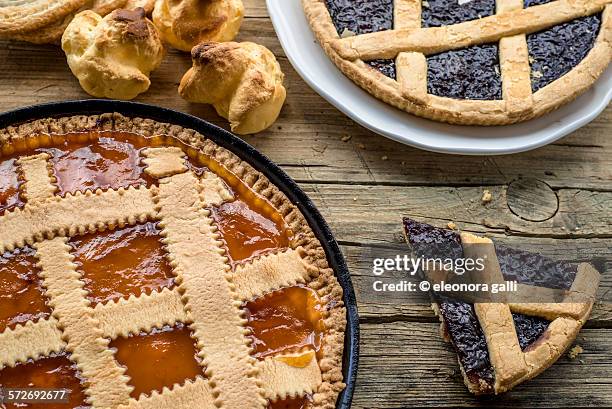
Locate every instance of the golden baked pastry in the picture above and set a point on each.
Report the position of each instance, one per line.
(113, 56)
(186, 23)
(146, 5)
(243, 81)
(144, 266)
(44, 21)
(28, 15)
(468, 62)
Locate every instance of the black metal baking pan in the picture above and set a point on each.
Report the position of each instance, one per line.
(260, 162)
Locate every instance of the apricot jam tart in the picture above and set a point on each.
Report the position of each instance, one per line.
(144, 266)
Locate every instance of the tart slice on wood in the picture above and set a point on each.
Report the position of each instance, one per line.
(502, 344)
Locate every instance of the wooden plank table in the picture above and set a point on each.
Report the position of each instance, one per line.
(556, 199)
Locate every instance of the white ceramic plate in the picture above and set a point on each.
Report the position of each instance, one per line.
(321, 74)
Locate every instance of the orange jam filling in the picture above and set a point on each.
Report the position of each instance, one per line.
(122, 262)
(54, 372)
(249, 225)
(248, 231)
(162, 357)
(9, 186)
(285, 320)
(295, 403)
(104, 162)
(21, 293)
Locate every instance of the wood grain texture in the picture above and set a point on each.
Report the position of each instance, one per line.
(375, 211)
(408, 370)
(363, 184)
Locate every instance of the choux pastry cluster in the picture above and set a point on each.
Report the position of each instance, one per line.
(243, 81)
(113, 56)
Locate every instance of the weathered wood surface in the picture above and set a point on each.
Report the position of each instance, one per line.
(408, 370)
(364, 185)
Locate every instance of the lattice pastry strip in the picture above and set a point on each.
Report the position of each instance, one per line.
(135, 314)
(430, 40)
(271, 272)
(201, 267)
(584, 287)
(31, 340)
(279, 372)
(74, 214)
(107, 384)
(208, 302)
(163, 162)
(515, 67)
(192, 394)
(407, 14)
(36, 171)
(411, 67)
(213, 190)
(511, 365)
(411, 70)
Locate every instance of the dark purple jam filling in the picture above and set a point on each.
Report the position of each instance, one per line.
(387, 67)
(459, 318)
(467, 337)
(529, 3)
(554, 52)
(430, 241)
(437, 13)
(362, 17)
(535, 269)
(469, 73)
(529, 329)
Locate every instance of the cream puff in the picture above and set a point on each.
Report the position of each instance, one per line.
(185, 23)
(113, 56)
(243, 81)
